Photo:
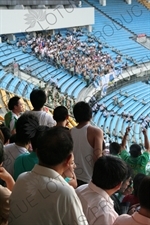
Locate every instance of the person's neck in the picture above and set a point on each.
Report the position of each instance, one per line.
(82, 124)
(61, 124)
(59, 168)
(15, 112)
(22, 145)
(144, 212)
(41, 109)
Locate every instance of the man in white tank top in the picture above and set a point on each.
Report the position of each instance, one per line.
(88, 142)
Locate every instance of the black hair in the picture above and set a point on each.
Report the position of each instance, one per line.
(109, 171)
(39, 131)
(13, 102)
(114, 148)
(1, 152)
(38, 98)
(135, 150)
(60, 113)
(82, 112)
(137, 181)
(6, 133)
(12, 138)
(54, 146)
(144, 193)
(26, 127)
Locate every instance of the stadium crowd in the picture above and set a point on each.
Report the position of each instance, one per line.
(85, 59)
(52, 175)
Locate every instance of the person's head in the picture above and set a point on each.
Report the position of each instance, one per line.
(1, 153)
(15, 104)
(26, 128)
(54, 147)
(37, 98)
(6, 133)
(114, 148)
(60, 114)
(38, 131)
(82, 112)
(135, 150)
(12, 138)
(109, 172)
(137, 181)
(144, 193)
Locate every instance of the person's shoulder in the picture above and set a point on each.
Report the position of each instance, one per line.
(8, 147)
(122, 219)
(95, 129)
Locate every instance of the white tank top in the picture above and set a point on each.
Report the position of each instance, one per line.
(83, 154)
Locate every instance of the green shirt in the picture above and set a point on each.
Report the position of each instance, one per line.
(137, 164)
(24, 163)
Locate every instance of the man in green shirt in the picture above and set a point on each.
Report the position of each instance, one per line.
(136, 160)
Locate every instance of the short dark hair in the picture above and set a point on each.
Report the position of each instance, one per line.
(60, 113)
(13, 102)
(6, 133)
(38, 98)
(1, 152)
(144, 193)
(135, 150)
(26, 127)
(109, 171)
(114, 148)
(54, 146)
(39, 131)
(136, 182)
(82, 112)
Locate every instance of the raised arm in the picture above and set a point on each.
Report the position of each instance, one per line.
(146, 141)
(124, 139)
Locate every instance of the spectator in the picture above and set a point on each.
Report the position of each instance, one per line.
(4, 191)
(25, 162)
(16, 107)
(108, 174)
(141, 214)
(136, 159)
(132, 199)
(52, 200)
(38, 99)
(88, 142)
(117, 197)
(22, 144)
(60, 115)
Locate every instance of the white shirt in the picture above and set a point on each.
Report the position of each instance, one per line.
(44, 118)
(134, 219)
(98, 207)
(43, 197)
(11, 152)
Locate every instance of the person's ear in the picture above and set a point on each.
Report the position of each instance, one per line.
(68, 160)
(118, 186)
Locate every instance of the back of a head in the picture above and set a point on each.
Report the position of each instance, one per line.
(82, 112)
(114, 148)
(12, 102)
(38, 98)
(137, 181)
(109, 171)
(135, 150)
(39, 131)
(60, 113)
(54, 146)
(26, 128)
(144, 193)
(1, 152)
(6, 133)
